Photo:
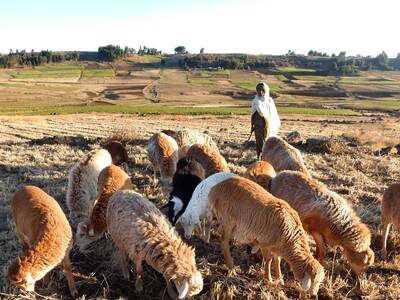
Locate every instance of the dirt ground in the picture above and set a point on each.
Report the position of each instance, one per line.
(42, 150)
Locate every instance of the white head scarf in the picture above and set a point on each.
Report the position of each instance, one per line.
(265, 106)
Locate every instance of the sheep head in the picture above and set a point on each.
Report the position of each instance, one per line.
(186, 287)
(188, 226)
(85, 234)
(360, 261)
(313, 277)
(21, 278)
(166, 185)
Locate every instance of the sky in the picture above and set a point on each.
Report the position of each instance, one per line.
(231, 26)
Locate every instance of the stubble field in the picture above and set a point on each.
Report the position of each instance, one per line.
(41, 150)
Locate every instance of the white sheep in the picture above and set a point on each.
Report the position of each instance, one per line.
(162, 152)
(283, 156)
(390, 213)
(327, 217)
(248, 214)
(210, 159)
(111, 180)
(196, 211)
(142, 232)
(82, 184)
(190, 136)
(45, 236)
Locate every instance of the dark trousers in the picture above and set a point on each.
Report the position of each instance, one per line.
(260, 125)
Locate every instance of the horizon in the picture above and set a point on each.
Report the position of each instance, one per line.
(213, 25)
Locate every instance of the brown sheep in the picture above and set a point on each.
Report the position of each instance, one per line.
(118, 152)
(326, 216)
(251, 215)
(142, 232)
(283, 156)
(260, 172)
(45, 236)
(111, 180)
(210, 158)
(390, 213)
(163, 154)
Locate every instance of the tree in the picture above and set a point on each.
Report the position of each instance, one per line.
(202, 51)
(180, 50)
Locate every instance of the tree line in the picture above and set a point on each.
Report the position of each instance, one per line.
(33, 59)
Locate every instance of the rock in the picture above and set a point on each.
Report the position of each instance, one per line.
(330, 146)
(294, 137)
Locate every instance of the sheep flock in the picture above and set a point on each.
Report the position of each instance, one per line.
(184, 214)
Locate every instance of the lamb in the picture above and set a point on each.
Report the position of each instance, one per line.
(191, 136)
(45, 236)
(82, 184)
(188, 175)
(260, 172)
(163, 154)
(282, 156)
(141, 232)
(111, 180)
(390, 213)
(118, 152)
(210, 158)
(326, 216)
(197, 208)
(256, 217)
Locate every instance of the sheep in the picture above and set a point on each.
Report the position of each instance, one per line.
(163, 154)
(210, 158)
(189, 173)
(390, 213)
(118, 152)
(260, 172)
(142, 232)
(82, 184)
(326, 216)
(111, 179)
(282, 156)
(197, 208)
(250, 215)
(45, 236)
(191, 136)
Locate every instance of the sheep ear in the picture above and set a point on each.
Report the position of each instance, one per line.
(365, 261)
(183, 289)
(306, 282)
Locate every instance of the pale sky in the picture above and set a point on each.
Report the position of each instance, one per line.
(236, 26)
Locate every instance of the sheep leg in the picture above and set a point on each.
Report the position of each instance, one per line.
(277, 266)
(227, 252)
(267, 260)
(68, 274)
(122, 262)
(320, 245)
(206, 230)
(139, 272)
(386, 229)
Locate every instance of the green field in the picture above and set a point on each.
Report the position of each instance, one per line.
(295, 70)
(98, 73)
(367, 81)
(251, 85)
(50, 71)
(201, 82)
(315, 78)
(377, 105)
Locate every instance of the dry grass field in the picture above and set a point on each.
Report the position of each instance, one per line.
(40, 150)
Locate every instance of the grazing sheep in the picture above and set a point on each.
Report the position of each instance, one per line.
(260, 172)
(251, 215)
(118, 152)
(326, 216)
(45, 236)
(390, 213)
(282, 156)
(182, 152)
(197, 208)
(111, 180)
(163, 154)
(82, 184)
(189, 174)
(191, 136)
(210, 158)
(142, 232)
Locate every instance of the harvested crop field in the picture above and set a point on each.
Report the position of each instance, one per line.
(346, 153)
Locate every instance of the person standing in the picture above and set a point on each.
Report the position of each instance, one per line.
(265, 120)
